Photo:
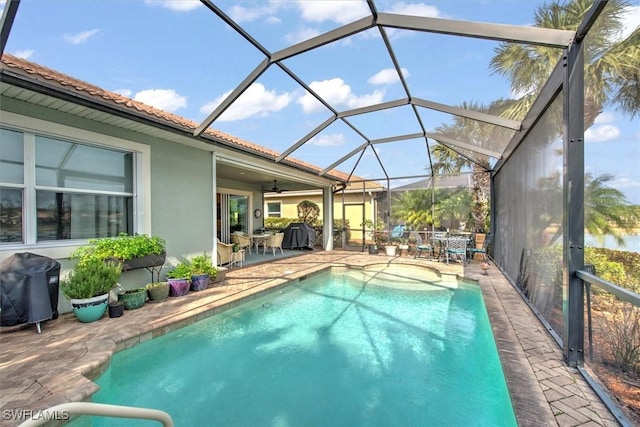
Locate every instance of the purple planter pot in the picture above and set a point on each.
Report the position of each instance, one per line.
(178, 287)
(200, 282)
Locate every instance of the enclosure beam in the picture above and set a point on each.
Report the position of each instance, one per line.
(573, 200)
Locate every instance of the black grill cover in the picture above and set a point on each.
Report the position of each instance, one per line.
(28, 289)
(299, 235)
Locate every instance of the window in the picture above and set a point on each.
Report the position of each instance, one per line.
(62, 189)
(11, 186)
(274, 209)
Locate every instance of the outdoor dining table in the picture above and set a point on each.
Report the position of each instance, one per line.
(258, 239)
(443, 244)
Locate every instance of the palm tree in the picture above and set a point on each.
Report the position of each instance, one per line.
(611, 64)
(611, 71)
(607, 212)
(413, 208)
(449, 161)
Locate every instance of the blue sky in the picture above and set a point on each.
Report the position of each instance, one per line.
(178, 56)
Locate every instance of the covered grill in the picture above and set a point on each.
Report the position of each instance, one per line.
(299, 235)
(28, 289)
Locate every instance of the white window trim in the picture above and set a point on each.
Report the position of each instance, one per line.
(266, 208)
(141, 185)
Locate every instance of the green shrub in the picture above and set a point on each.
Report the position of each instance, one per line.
(180, 271)
(91, 278)
(123, 247)
(622, 331)
(202, 264)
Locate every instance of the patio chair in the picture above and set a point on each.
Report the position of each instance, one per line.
(420, 245)
(242, 240)
(274, 242)
(484, 250)
(457, 246)
(224, 252)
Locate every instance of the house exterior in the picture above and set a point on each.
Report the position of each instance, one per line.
(361, 200)
(78, 162)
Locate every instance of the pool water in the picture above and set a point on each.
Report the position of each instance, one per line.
(348, 348)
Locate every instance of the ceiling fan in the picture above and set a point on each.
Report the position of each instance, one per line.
(275, 188)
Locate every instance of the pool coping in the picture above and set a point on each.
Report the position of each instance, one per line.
(543, 390)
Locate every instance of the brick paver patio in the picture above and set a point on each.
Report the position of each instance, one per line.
(38, 371)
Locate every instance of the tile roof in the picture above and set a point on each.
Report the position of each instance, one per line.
(41, 73)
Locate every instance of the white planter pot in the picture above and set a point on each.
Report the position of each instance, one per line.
(390, 250)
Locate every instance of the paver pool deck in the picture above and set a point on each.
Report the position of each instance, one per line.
(38, 371)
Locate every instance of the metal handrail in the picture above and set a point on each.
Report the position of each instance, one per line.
(620, 292)
(589, 278)
(65, 410)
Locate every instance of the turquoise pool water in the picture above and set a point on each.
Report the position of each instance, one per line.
(349, 348)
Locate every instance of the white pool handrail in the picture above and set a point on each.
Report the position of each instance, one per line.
(65, 410)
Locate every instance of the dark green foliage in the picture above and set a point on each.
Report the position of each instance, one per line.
(91, 278)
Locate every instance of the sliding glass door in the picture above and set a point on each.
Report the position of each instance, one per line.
(232, 214)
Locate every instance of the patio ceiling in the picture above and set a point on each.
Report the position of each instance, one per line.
(389, 133)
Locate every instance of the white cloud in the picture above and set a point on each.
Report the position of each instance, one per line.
(80, 37)
(264, 12)
(337, 93)
(164, 99)
(24, 54)
(601, 133)
(176, 5)
(631, 20)
(332, 140)
(417, 9)
(301, 35)
(331, 10)
(124, 92)
(606, 117)
(387, 76)
(255, 101)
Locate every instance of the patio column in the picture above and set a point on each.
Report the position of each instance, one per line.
(573, 197)
(327, 218)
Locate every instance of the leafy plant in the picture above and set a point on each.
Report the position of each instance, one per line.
(91, 278)
(154, 285)
(373, 230)
(180, 271)
(123, 247)
(202, 264)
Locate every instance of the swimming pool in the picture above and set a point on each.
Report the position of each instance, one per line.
(346, 348)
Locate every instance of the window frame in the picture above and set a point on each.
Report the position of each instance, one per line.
(268, 212)
(30, 127)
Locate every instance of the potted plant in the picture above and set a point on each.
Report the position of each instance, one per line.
(202, 270)
(158, 291)
(179, 278)
(88, 286)
(391, 248)
(373, 231)
(133, 298)
(132, 251)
